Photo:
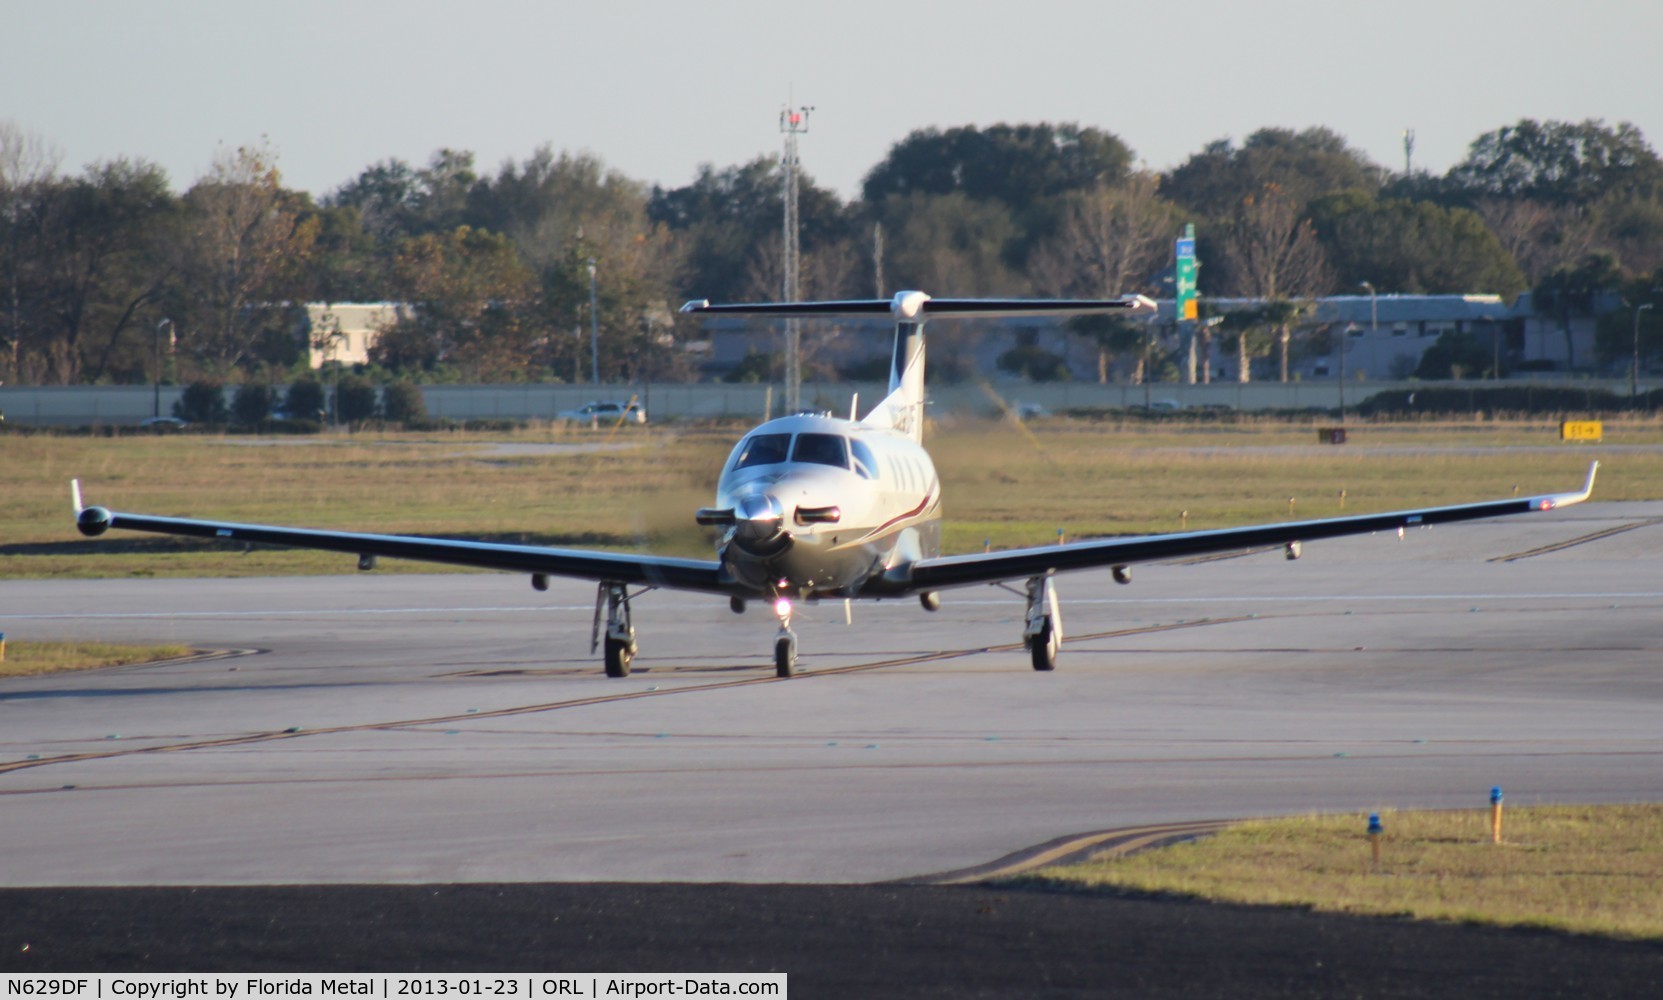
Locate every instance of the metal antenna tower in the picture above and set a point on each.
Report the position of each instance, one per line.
(793, 122)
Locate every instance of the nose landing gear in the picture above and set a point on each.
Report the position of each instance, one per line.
(785, 642)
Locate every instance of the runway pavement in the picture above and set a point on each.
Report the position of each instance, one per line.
(414, 729)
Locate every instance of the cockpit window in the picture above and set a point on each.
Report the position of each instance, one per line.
(821, 449)
(763, 449)
(866, 463)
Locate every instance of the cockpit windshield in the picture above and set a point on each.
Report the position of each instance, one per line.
(821, 449)
(763, 449)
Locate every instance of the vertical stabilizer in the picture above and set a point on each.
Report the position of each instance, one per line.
(903, 408)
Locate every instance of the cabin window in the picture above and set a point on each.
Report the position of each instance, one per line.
(763, 449)
(866, 463)
(821, 449)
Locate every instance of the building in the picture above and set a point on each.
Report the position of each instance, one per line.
(1369, 337)
(345, 331)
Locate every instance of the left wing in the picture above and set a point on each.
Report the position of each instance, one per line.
(992, 567)
(613, 567)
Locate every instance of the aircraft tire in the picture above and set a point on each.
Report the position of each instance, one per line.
(618, 656)
(785, 656)
(1043, 648)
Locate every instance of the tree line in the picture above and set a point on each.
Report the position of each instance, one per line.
(108, 275)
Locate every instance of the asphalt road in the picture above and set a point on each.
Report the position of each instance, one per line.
(454, 729)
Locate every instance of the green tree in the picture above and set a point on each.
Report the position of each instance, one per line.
(202, 402)
(949, 242)
(756, 367)
(1023, 169)
(1456, 355)
(469, 292)
(355, 399)
(245, 244)
(1111, 241)
(1034, 363)
(561, 212)
(304, 400)
(402, 402)
(1114, 338)
(251, 405)
(1303, 165)
(722, 220)
(107, 269)
(1016, 164)
(1558, 162)
(28, 166)
(397, 201)
(1251, 330)
(1415, 248)
(1570, 292)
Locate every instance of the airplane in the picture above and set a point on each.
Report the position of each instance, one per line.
(810, 506)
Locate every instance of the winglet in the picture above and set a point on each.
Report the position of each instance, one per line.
(75, 496)
(1556, 500)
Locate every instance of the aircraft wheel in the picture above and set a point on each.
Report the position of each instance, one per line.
(785, 656)
(618, 655)
(1043, 647)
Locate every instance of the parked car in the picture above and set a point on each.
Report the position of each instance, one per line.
(604, 413)
(164, 424)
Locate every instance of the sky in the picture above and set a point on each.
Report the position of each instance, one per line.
(655, 89)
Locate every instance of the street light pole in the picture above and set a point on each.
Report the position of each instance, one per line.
(1345, 335)
(793, 122)
(594, 330)
(156, 404)
(1634, 369)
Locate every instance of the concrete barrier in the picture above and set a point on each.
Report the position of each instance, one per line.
(130, 404)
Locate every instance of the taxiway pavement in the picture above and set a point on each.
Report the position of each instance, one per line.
(389, 729)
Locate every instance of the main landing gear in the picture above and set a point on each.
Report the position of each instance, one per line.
(620, 632)
(1042, 625)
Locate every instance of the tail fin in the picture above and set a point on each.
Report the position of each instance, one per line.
(903, 408)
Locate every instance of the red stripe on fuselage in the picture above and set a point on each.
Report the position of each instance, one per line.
(923, 505)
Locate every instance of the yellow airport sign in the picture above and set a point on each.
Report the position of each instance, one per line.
(1581, 430)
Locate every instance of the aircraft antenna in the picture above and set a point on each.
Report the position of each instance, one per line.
(793, 122)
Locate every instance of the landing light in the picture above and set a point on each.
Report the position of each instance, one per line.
(782, 607)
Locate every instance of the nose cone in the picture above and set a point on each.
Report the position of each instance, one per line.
(758, 520)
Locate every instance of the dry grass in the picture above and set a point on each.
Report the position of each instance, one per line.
(1585, 869)
(28, 659)
(1010, 484)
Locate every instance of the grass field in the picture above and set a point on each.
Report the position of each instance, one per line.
(28, 659)
(1004, 483)
(1585, 869)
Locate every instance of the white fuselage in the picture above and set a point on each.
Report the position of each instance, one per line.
(822, 506)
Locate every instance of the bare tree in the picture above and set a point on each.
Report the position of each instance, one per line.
(1272, 253)
(245, 242)
(28, 163)
(1110, 240)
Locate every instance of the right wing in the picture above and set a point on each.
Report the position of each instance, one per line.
(993, 567)
(612, 567)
